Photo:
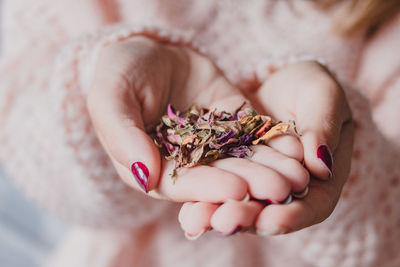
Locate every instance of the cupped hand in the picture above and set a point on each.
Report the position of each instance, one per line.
(134, 81)
(308, 94)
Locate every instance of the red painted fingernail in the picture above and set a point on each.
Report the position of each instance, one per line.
(325, 156)
(237, 229)
(266, 201)
(141, 174)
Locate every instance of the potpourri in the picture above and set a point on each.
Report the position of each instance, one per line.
(200, 136)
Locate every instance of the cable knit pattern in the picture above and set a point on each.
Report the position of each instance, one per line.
(73, 73)
(49, 148)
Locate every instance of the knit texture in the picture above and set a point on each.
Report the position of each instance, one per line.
(48, 145)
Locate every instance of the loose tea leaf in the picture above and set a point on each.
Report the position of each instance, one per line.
(200, 136)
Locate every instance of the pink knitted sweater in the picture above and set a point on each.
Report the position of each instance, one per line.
(49, 148)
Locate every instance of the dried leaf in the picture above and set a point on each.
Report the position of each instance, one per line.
(280, 128)
(200, 136)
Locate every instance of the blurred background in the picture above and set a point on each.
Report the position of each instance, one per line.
(27, 234)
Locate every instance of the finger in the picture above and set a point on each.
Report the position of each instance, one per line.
(201, 183)
(194, 218)
(263, 182)
(234, 216)
(320, 125)
(318, 106)
(117, 118)
(290, 168)
(317, 205)
(313, 209)
(288, 145)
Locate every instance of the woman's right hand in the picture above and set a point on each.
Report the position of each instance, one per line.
(134, 81)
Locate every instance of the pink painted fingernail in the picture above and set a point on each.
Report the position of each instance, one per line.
(325, 156)
(194, 236)
(141, 174)
(234, 231)
(277, 230)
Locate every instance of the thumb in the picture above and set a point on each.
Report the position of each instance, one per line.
(117, 118)
(321, 127)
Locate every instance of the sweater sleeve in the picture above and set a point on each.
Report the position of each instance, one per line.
(48, 144)
(378, 78)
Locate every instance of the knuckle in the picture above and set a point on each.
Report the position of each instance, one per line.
(238, 188)
(288, 145)
(295, 150)
(276, 187)
(292, 164)
(297, 170)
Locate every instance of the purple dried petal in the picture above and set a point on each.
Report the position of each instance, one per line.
(172, 114)
(235, 114)
(226, 144)
(162, 141)
(241, 114)
(246, 139)
(240, 152)
(225, 137)
(171, 148)
(224, 116)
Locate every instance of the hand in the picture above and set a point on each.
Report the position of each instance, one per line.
(307, 93)
(134, 82)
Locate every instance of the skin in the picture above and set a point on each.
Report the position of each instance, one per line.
(136, 79)
(325, 121)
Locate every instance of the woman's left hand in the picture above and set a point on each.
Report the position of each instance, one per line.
(308, 94)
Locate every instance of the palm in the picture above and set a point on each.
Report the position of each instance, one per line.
(307, 94)
(150, 76)
(195, 81)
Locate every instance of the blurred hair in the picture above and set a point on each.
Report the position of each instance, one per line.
(361, 16)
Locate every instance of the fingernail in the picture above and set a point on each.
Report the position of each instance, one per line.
(234, 231)
(301, 194)
(277, 230)
(194, 236)
(325, 156)
(141, 174)
(268, 201)
(237, 229)
(288, 200)
(246, 198)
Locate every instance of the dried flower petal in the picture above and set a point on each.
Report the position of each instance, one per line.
(200, 136)
(280, 128)
(172, 115)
